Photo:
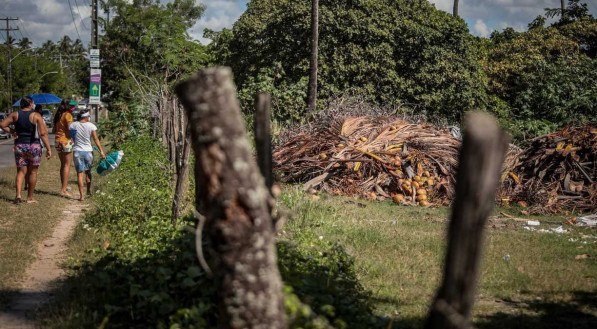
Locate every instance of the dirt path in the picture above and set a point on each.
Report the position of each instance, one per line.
(43, 274)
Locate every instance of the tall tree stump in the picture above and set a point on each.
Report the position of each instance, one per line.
(232, 196)
(481, 156)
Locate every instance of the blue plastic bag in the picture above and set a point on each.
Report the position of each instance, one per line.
(110, 163)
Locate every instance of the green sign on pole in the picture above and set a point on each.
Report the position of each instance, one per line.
(95, 86)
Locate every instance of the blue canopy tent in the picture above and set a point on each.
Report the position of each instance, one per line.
(42, 99)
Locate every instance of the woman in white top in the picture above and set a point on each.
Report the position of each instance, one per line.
(82, 132)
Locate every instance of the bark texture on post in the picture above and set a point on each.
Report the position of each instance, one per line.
(233, 197)
(312, 92)
(263, 139)
(481, 157)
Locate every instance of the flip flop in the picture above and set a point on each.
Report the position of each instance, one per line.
(31, 201)
(17, 201)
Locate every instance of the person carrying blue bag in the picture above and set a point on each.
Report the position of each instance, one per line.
(82, 132)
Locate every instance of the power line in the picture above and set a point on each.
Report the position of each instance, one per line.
(23, 25)
(81, 16)
(72, 14)
(21, 33)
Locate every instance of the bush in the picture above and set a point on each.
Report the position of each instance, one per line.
(125, 122)
(543, 79)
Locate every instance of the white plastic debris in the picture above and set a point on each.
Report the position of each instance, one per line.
(557, 230)
(587, 221)
(533, 223)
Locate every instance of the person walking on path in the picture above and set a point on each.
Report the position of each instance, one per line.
(62, 119)
(27, 149)
(82, 132)
(38, 110)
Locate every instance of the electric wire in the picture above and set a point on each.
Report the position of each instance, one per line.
(81, 16)
(25, 28)
(72, 14)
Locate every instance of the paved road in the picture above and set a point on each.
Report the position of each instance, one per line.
(7, 158)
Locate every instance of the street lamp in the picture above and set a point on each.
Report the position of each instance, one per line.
(10, 73)
(22, 51)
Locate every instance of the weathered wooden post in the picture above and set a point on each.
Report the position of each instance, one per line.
(263, 138)
(234, 200)
(481, 157)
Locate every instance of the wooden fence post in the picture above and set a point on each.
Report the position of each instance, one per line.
(481, 157)
(234, 200)
(263, 137)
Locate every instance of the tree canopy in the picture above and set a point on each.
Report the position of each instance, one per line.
(393, 52)
(60, 68)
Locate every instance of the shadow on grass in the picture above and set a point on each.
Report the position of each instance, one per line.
(44, 192)
(166, 287)
(579, 312)
(24, 312)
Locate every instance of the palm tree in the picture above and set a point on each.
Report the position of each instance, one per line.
(65, 44)
(25, 43)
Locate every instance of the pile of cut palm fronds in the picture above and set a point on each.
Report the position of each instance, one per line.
(557, 172)
(376, 157)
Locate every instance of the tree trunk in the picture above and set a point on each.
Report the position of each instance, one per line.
(312, 93)
(481, 157)
(455, 8)
(234, 200)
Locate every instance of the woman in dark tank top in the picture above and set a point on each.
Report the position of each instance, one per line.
(27, 147)
(24, 129)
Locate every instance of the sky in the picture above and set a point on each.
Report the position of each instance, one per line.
(42, 20)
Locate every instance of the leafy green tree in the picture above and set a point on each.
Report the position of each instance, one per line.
(391, 51)
(62, 71)
(146, 43)
(542, 79)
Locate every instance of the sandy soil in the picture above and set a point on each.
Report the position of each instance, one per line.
(43, 275)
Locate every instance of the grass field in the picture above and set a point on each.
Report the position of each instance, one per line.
(528, 279)
(23, 226)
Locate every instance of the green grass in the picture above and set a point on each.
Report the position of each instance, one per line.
(23, 226)
(399, 250)
(398, 253)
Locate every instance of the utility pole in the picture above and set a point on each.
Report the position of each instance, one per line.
(94, 45)
(94, 25)
(312, 91)
(9, 51)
